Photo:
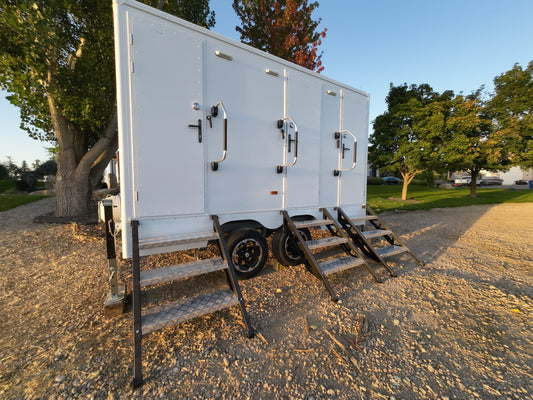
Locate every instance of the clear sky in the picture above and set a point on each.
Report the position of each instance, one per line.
(449, 44)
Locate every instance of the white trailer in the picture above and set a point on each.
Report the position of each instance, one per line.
(208, 126)
(221, 142)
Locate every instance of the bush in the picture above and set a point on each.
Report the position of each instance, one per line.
(6, 185)
(375, 181)
(28, 181)
(47, 168)
(4, 172)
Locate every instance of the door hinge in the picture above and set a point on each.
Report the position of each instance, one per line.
(132, 67)
(137, 196)
(131, 39)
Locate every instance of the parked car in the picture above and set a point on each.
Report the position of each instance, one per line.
(491, 180)
(391, 180)
(521, 182)
(462, 181)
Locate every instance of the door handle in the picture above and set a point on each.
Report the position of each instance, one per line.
(199, 126)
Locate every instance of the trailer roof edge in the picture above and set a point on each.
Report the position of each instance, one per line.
(205, 31)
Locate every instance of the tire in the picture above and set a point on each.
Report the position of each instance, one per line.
(248, 251)
(285, 250)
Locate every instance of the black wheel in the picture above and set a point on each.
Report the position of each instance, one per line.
(284, 248)
(248, 250)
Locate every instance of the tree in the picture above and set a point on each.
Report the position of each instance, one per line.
(407, 137)
(284, 28)
(512, 109)
(471, 143)
(57, 61)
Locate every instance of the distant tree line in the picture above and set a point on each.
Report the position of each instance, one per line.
(26, 178)
(424, 131)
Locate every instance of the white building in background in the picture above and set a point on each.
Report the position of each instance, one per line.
(516, 174)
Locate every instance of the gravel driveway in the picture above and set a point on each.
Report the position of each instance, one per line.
(457, 328)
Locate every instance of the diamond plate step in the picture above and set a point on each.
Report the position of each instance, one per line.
(174, 272)
(312, 223)
(376, 233)
(176, 240)
(339, 264)
(170, 314)
(365, 218)
(390, 251)
(325, 242)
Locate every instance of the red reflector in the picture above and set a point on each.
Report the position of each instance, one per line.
(274, 192)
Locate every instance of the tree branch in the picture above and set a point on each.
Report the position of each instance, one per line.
(92, 156)
(72, 58)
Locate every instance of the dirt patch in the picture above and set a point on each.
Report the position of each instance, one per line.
(459, 327)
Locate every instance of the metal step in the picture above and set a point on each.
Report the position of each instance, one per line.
(168, 241)
(174, 272)
(173, 313)
(325, 242)
(390, 251)
(312, 223)
(339, 264)
(376, 233)
(363, 219)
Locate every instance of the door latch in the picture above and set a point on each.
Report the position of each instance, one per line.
(199, 126)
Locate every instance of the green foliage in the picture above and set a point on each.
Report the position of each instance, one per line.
(47, 168)
(375, 181)
(422, 198)
(512, 107)
(4, 172)
(6, 185)
(195, 11)
(407, 136)
(7, 202)
(65, 49)
(62, 49)
(284, 28)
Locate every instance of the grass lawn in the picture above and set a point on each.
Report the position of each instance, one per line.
(424, 198)
(378, 198)
(9, 201)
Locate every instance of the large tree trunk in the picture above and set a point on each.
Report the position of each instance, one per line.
(78, 168)
(473, 182)
(407, 179)
(73, 195)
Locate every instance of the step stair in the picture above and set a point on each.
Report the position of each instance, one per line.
(390, 251)
(173, 313)
(356, 228)
(166, 243)
(363, 219)
(340, 264)
(350, 257)
(161, 275)
(325, 242)
(376, 233)
(312, 223)
(159, 316)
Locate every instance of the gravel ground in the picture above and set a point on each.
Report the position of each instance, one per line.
(457, 328)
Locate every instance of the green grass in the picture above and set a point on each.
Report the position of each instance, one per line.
(426, 198)
(9, 201)
(6, 185)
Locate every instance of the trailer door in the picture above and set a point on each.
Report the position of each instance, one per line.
(250, 91)
(167, 97)
(354, 122)
(329, 152)
(303, 106)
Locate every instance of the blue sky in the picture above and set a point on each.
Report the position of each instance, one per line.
(449, 44)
